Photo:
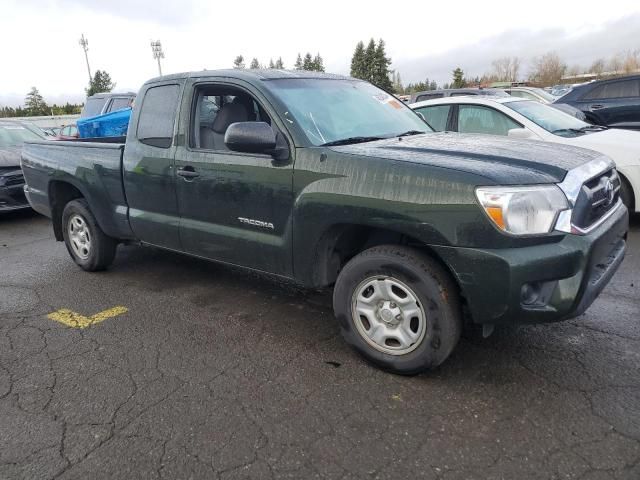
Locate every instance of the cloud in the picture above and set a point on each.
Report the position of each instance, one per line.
(577, 48)
(172, 13)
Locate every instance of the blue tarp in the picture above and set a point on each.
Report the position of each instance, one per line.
(113, 124)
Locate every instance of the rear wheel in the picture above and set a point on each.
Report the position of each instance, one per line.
(398, 308)
(87, 244)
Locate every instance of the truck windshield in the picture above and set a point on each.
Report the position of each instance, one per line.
(344, 111)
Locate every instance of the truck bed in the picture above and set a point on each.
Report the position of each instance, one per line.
(92, 166)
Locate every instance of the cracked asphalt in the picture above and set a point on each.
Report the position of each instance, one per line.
(216, 373)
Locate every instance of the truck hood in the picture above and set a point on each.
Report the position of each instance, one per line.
(502, 160)
(10, 157)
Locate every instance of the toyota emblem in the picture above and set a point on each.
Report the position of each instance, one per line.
(609, 191)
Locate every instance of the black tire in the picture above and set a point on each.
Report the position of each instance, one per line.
(103, 248)
(433, 287)
(626, 194)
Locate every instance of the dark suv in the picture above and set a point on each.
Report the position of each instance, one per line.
(614, 102)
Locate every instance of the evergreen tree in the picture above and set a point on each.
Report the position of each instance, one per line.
(370, 61)
(318, 63)
(298, 64)
(279, 64)
(100, 83)
(380, 68)
(358, 66)
(238, 62)
(398, 88)
(458, 78)
(271, 64)
(254, 64)
(35, 104)
(433, 85)
(307, 63)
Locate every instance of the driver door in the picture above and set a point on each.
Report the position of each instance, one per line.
(234, 207)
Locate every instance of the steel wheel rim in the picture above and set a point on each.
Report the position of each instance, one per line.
(79, 236)
(388, 315)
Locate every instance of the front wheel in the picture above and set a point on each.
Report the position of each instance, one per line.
(398, 308)
(87, 244)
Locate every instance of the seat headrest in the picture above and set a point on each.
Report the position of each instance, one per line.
(228, 114)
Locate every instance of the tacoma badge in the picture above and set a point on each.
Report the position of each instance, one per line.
(257, 223)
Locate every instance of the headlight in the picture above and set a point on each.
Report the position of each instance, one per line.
(523, 210)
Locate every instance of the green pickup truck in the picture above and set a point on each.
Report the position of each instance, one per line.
(327, 180)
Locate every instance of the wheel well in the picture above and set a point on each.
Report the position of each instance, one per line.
(60, 193)
(625, 181)
(343, 242)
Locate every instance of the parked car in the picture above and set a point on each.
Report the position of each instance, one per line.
(455, 92)
(531, 93)
(328, 180)
(51, 131)
(67, 132)
(102, 103)
(12, 135)
(559, 90)
(542, 96)
(614, 102)
(520, 118)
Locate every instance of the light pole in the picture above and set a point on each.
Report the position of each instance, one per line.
(84, 43)
(156, 48)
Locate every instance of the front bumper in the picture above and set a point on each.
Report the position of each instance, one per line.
(572, 272)
(12, 196)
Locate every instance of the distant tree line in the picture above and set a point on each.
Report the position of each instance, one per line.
(550, 69)
(34, 105)
(308, 62)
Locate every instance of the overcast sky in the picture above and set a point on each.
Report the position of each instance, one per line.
(40, 47)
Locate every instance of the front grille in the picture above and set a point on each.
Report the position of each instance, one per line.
(597, 197)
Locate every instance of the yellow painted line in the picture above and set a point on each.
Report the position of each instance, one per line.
(75, 320)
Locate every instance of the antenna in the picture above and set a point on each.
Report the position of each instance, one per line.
(156, 48)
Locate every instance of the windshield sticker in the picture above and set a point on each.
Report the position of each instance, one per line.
(381, 97)
(387, 100)
(12, 127)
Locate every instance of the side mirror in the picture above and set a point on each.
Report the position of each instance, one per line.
(522, 133)
(250, 137)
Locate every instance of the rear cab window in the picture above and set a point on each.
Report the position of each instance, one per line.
(93, 107)
(157, 115)
(119, 103)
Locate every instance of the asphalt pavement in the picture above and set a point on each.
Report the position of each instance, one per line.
(170, 367)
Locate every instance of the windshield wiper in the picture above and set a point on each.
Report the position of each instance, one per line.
(351, 140)
(592, 128)
(410, 132)
(568, 130)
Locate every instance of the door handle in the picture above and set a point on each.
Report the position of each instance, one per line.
(597, 107)
(187, 173)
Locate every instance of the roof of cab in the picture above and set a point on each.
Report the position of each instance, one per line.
(252, 74)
